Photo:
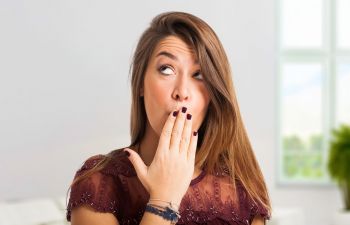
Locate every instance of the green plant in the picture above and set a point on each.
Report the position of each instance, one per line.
(339, 161)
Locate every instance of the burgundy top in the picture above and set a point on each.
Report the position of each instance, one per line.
(116, 189)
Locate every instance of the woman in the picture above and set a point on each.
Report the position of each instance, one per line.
(190, 160)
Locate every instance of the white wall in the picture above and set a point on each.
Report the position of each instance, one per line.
(65, 93)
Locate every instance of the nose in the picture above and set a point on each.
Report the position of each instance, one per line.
(181, 92)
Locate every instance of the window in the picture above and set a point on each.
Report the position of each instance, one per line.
(313, 84)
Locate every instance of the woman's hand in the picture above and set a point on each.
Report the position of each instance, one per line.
(170, 173)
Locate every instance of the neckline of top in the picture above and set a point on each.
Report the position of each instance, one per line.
(198, 178)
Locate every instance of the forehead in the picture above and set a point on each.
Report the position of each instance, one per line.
(175, 46)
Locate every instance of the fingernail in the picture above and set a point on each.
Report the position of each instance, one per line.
(126, 153)
(184, 109)
(195, 133)
(189, 116)
(175, 113)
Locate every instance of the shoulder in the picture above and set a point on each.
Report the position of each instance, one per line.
(97, 183)
(114, 163)
(250, 207)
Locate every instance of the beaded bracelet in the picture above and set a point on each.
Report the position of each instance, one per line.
(167, 213)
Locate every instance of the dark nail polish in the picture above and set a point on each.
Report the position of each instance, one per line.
(127, 153)
(189, 116)
(184, 109)
(175, 113)
(195, 133)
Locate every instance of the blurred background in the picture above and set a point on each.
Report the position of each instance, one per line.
(65, 94)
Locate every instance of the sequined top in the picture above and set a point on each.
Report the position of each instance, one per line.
(116, 189)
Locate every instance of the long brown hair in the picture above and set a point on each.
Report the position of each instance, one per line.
(223, 144)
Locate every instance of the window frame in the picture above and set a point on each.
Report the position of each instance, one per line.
(329, 56)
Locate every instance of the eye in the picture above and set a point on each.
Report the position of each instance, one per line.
(198, 75)
(165, 69)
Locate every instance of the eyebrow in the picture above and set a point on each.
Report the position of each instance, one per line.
(169, 55)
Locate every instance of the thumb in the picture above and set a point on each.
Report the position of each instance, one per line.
(137, 162)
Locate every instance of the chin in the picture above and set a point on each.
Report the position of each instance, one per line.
(157, 128)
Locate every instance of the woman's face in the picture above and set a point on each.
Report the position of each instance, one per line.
(173, 80)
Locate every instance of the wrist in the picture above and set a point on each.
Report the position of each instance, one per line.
(164, 204)
(165, 200)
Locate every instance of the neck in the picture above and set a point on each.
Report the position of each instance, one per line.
(148, 145)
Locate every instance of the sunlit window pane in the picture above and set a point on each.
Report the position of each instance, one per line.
(301, 23)
(343, 94)
(343, 23)
(301, 114)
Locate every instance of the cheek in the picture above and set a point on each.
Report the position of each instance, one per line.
(156, 104)
(200, 107)
(156, 95)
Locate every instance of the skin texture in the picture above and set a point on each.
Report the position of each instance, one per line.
(170, 84)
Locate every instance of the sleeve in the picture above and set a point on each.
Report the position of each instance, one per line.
(249, 207)
(98, 191)
(257, 209)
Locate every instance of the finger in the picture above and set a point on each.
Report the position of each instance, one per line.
(186, 134)
(176, 133)
(193, 146)
(164, 140)
(137, 162)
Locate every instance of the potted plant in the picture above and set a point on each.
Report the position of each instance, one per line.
(339, 169)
